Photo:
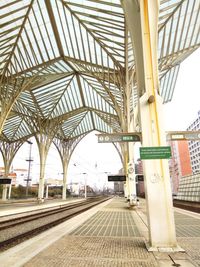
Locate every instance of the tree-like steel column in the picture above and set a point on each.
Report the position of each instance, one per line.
(142, 19)
(46, 132)
(127, 125)
(130, 147)
(8, 151)
(124, 162)
(64, 152)
(43, 146)
(65, 149)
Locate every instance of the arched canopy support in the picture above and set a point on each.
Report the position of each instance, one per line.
(8, 151)
(127, 124)
(119, 149)
(46, 131)
(142, 20)
(65, 149)
(10, 89)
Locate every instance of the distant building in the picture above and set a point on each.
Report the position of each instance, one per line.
(21, 176)
(138, 167)
(179, 164)
(89, 189)
(119, 188)
(54, 182)
(189, 188)
(139, 178)
(194, 146)
(74, 189)
(17, 176)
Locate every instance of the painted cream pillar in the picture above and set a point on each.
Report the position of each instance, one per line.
(142, 20)
(127, 126)
(131, 178)
(65, 167)
(43, 147)
(46, 131)
(65, 148)
(47, 191)
(4, 193)
(131, 164)
(9, 191)
(8, 151)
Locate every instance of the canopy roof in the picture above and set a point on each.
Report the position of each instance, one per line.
(63, 62)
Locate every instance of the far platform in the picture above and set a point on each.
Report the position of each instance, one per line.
(10, 207)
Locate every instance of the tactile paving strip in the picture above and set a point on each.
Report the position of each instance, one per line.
(192, 246)
(109, 223)
(76, 251)
(186, 226)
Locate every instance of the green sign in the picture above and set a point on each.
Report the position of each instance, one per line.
(120, 137)
(155, 152)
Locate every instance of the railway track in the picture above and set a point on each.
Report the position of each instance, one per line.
(15, 230)
(187, 205)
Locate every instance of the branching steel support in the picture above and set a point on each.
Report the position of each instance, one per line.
(8, 151)
(63, 148)
(142, 19)
(44, 138)
(127, 126)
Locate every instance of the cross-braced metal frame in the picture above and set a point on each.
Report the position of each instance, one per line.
(68, 68)
(66, 61)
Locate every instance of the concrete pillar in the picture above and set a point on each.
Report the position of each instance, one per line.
(9, 192)
(142, 19)
(130, 169)
(65, 166)
(125, 191)
(47, 191)
(8, 151)
(85, 177)
(41, 184)
(4, 193)
(43, 156)
(132, 184)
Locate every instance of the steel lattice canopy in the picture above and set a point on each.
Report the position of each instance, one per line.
(63, 61)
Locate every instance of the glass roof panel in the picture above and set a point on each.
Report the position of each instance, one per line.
(93, 98)
(15, 128)
(84, 126)
(101, 125)
(181, 28)
(66, 58)
(71, 123)
(70, 99)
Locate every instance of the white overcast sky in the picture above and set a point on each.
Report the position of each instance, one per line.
(95, 159)
(183, 108)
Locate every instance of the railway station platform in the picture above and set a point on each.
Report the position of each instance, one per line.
(22, 206)
(110, 235)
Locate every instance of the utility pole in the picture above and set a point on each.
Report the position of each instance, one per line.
(29, 166)
(85, 184)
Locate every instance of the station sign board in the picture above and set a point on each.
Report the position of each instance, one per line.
(119, 137)
(183, 135)
(5, 181)
(155, 152)
(137, 136)
(116, 178)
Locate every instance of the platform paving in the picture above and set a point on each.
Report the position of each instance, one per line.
(109, 235)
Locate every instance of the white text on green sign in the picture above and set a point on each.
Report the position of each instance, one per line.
(156, 152)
